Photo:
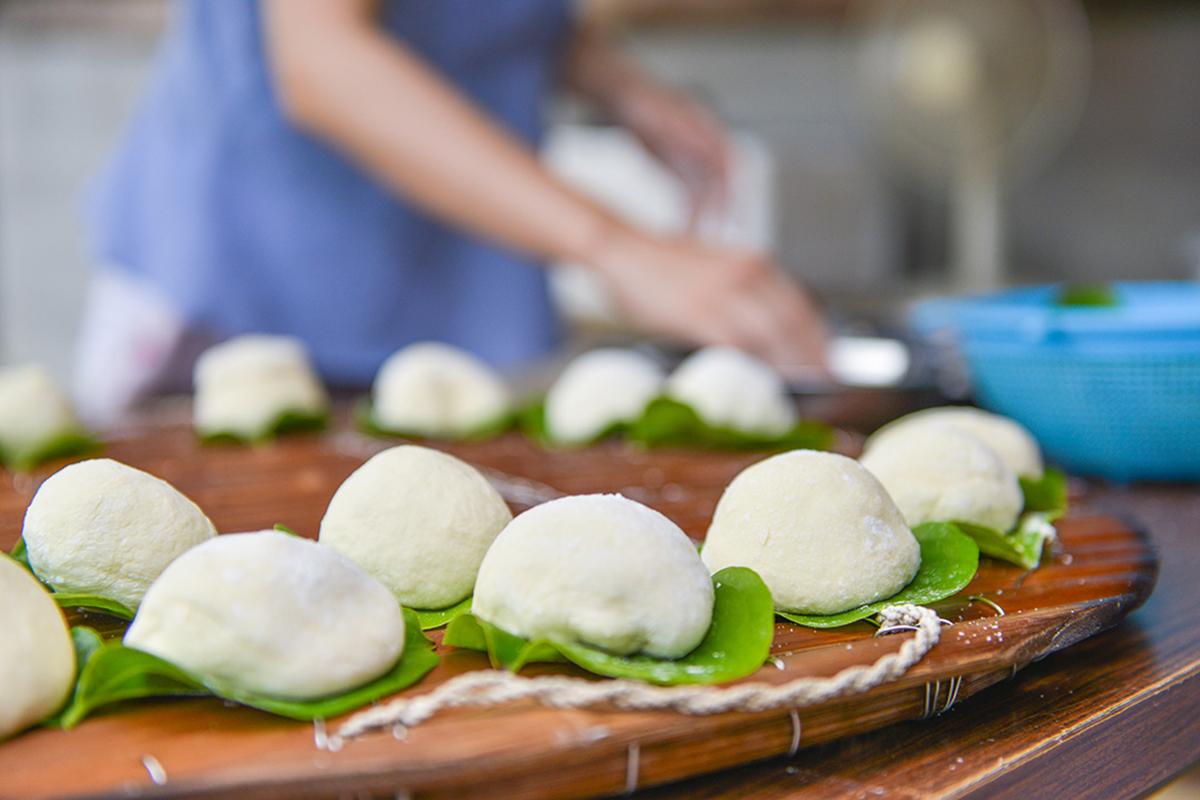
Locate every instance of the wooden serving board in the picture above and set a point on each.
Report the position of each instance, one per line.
(1101, 570)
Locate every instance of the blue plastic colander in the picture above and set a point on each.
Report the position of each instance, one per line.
(1107, 391)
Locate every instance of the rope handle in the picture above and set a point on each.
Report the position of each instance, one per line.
(497, 687)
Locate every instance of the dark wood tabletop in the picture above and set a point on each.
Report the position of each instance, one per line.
(1114, 716)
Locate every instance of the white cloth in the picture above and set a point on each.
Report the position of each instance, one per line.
(132, 344)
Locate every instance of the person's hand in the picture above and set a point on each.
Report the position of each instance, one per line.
(714, 296)
(684, 135)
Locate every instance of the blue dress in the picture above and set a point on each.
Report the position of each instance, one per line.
(247, 224)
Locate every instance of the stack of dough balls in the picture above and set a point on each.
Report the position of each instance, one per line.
(419, 520)
(939, 473)
(100, 527)
(32, 411)
(601, 570)
(598, 390)
(37, 659)
(730, 389)
(1015, 445)
(246, 384)
(436, 390)
(271, 613)
(818, 528)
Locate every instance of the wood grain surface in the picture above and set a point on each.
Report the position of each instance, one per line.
(1102, 569)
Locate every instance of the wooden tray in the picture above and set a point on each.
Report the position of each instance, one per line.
(1101, 570)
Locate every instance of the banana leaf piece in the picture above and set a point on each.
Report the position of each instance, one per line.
(80, 600)
(66, 444)
(737, 643)
(949, 559)
(365, 422)
(669, 423)
(288, 422)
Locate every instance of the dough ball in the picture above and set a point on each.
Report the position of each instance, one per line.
(104, 528)
(818, 528)
(419, 520)
(730, 389)
(434, 389)
(37, 659)
(32, 410)
(245, 384)
(1008, 438)
(271, 613)
(597, 569)
(599, 389)
(943, 474)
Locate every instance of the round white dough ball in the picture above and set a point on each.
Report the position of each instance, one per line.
(272, 613)
(730, 389)
(599, 389)
(32, 409)
(435, 389)
(943, 474)
(245, 384)
(101, 527)
(601, 570)
(419, 520)
(1008, 438)
(818, 528)
(37, 659)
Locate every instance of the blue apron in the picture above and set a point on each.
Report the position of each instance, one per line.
(247, 224)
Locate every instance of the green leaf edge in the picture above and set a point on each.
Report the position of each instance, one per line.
(164, 679)
(65, 444)
(431, 618)
(742, 608)
(82, 600)
(965, 564)
(286, 423)
(666, 422)
(364, 422)
(1020, 546)
(532, 421)
(1047, 494)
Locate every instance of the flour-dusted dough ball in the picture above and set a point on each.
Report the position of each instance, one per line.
(103, 528)
(32, 410)
(818, 528)
(601, 570)
(37, 659)
(599, 389)
(245, 384)
(943, 474)
(271, 613)
(1008, 438)
(434, 389)
(419, 520)
(730, 389)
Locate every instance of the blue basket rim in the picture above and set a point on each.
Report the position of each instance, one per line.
(1147, 309)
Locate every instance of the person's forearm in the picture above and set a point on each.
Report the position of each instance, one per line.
(346, 82)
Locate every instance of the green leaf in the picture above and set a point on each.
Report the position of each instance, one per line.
(65, 444)
(116, 673)
(20, 554)
(669, 423)
(279, 526)
(437, 617)
(92, 602)
(532, 421)
(81, 600)
(949, 559)
(737, 643)
(87, 642)
(1022, 546)
(286, 423)
(1087, 295)
(365, 422)
(1047, 494)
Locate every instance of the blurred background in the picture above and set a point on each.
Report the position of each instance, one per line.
(844, 165)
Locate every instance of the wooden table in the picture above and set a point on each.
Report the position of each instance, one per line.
(1110, 717)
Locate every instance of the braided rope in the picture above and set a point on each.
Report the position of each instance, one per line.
(496, 687)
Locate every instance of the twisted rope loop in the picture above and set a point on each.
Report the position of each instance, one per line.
(496, 687)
